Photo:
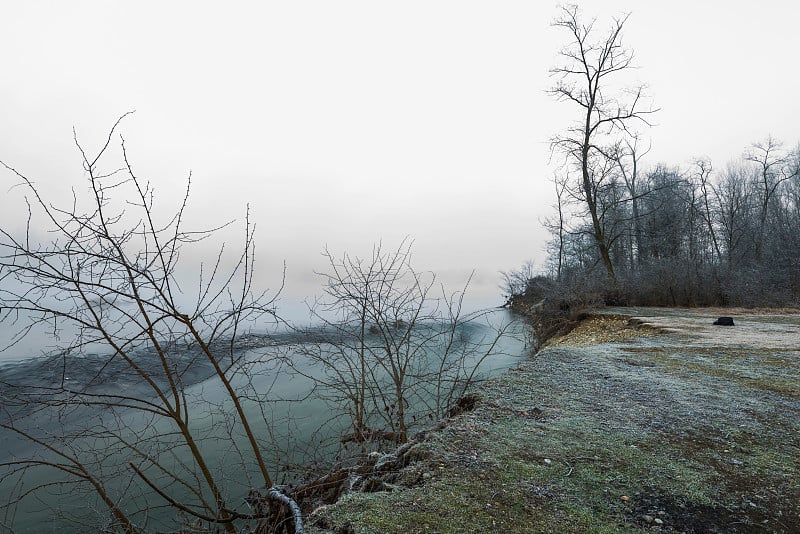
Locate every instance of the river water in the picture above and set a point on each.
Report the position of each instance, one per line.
(294, 427)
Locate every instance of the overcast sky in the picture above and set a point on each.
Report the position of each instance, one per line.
(344, 123)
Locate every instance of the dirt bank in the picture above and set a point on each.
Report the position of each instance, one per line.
(639, 420)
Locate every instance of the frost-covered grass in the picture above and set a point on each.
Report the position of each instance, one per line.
(663, 433)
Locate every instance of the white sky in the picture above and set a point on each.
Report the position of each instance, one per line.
(344, 123)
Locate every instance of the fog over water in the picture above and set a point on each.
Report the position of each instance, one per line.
(315, 425)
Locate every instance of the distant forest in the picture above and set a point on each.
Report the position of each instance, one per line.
(688, 237)
(665, 235)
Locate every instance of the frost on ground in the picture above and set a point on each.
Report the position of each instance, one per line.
(639, 420)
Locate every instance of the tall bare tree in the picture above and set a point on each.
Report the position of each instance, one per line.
(585, 77)
(702, 175)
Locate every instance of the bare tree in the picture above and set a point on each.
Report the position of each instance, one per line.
(588, 69)
(773, 170)
(703, 169)
(516, 281)
(628, 156)
(392, 353)
(557, 226)
(121, 419)
(734, 199)
(791, 222)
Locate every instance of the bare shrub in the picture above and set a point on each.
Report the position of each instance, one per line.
(115, 416)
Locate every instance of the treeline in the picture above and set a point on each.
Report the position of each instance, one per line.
(693, 236)
(679, 237)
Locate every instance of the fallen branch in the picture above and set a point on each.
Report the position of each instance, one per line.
(276, 493)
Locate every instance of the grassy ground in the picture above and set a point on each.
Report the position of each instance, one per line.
(669, 425)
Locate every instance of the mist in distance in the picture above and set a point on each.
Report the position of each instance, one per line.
(351, 124)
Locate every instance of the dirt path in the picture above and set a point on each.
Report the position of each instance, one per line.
(640, 420)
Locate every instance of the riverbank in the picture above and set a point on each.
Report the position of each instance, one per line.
(54, 399)
(638, 420)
